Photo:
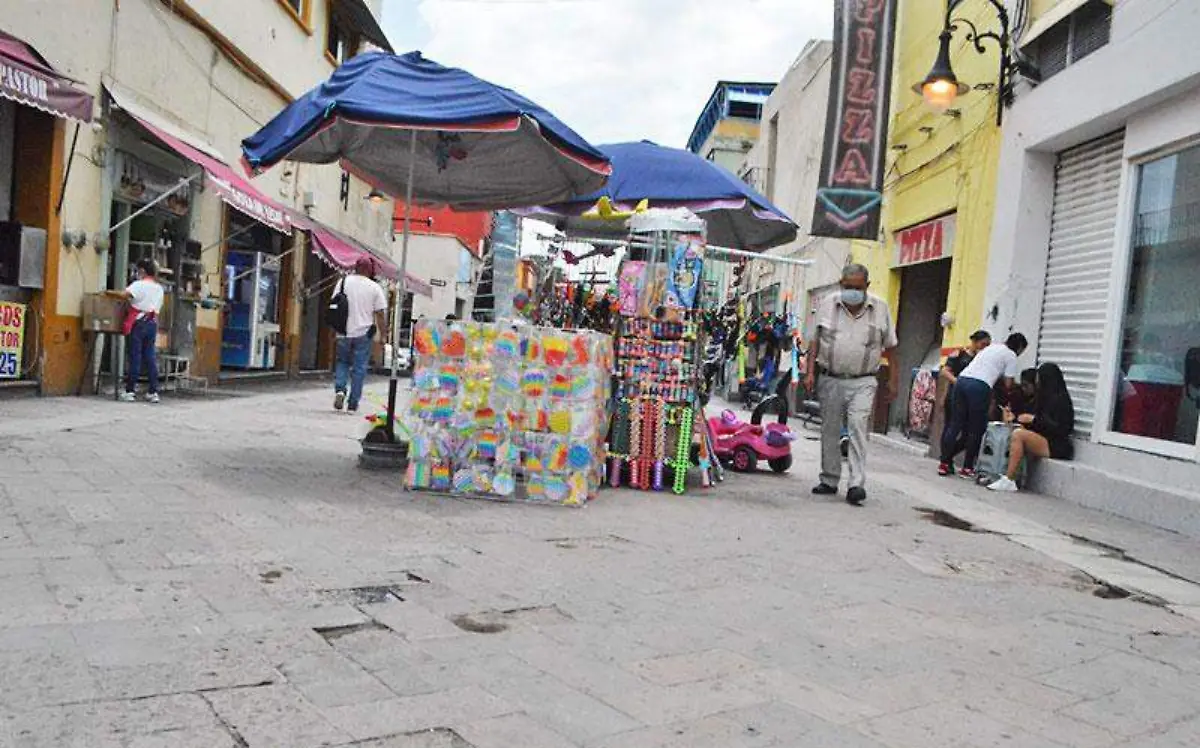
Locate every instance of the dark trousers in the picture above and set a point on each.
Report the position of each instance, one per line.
(781, 389)
(141, 341)
(968, 421)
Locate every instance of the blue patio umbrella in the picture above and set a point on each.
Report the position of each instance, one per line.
(478, 146)
(437, 135)
(736, 214)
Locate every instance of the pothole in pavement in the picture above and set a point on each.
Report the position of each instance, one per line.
(946, 519)
(497, 621)
(332, 633)
(597, 542)
(436, 737)
(370, 595)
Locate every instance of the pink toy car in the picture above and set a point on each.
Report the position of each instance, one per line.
(741, 445)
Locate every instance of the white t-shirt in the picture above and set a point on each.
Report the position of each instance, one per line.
(147, 296)
(364, 297)
(993, 362)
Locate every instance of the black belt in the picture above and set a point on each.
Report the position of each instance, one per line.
(827, 373)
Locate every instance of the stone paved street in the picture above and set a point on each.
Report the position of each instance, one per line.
(219, 574)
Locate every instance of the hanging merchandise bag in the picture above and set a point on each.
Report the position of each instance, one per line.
(338, 313)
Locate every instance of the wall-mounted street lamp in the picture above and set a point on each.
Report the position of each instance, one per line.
(375, 198)
(941, 87)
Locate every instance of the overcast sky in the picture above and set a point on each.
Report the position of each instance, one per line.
(614, 70)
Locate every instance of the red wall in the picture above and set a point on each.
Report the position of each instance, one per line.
(468, 228)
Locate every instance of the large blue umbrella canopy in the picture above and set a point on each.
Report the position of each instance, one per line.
(479, 146)
(736, 214)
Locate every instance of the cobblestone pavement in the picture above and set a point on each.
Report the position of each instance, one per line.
(219, 574)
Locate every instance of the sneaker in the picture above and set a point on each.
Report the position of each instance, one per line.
(1004, 484)
(153, 398)
(339, 400)
(945, 468)
(856, 496)
(968, 473)
(353, 409)
(824, 489)
(128, 397)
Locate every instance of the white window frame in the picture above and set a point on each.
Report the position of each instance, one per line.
(1118, 293)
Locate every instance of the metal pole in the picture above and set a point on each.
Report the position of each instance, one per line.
(182, 183)
(397, 314)
(758, 256)
(62, 192)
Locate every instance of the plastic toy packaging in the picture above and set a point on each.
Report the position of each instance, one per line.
(509, 413)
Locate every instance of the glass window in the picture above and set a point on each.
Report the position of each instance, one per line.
(1161, 327)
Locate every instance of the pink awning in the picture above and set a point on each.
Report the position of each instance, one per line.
(341, 252)
(27, 78)
(234, 190)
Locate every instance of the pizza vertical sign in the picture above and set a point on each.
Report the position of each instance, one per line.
(850, 192)
(12, 338)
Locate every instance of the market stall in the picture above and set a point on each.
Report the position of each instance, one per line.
(657, 416)
(510, 412)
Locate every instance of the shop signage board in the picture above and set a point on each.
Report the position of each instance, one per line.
(27, 79)
(925, 242)
(12, 338)
(850, 192)
(252, 205)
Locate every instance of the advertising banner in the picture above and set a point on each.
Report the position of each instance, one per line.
(12, 338)
(850, 191)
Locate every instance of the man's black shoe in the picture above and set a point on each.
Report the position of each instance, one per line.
(856, 496)
(824, 489)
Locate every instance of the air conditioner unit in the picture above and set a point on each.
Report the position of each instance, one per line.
(32, 269)
(22, 255)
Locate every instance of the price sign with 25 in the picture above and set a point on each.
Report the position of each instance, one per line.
(10, 364)
(12, 338)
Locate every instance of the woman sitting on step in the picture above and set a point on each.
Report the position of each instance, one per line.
(1044, 433)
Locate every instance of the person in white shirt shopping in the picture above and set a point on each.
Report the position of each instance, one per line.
(973, 399)
(145, 297)
(367, 308)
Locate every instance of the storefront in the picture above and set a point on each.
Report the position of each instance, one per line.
(158, 174)
(34, 97)
(921, 261)
(1096, 258)
(255, 283)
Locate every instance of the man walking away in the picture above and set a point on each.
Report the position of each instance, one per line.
(973, 399)
(854, 333)
(366, 309)
(145, 297)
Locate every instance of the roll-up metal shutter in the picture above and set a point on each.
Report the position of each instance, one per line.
(1079, 266)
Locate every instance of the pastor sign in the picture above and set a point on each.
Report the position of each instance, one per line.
(849, 196)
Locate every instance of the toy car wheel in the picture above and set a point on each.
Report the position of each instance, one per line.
(780, 464)
(745, 459)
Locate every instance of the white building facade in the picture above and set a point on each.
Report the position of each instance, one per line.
(784, 165)
(177, 86)
(1096, 247)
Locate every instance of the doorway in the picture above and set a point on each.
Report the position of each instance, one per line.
(924, 290)
(316, 339)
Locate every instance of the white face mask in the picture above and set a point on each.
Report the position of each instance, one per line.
(854, 296)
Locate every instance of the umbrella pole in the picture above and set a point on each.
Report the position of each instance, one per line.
(398, 315)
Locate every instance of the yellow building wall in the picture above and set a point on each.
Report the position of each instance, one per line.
(939, 163)
(733, 127)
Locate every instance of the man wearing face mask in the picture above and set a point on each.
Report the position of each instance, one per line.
(854, 335)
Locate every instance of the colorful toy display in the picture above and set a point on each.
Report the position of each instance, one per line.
(657, 361)
(509, 412)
